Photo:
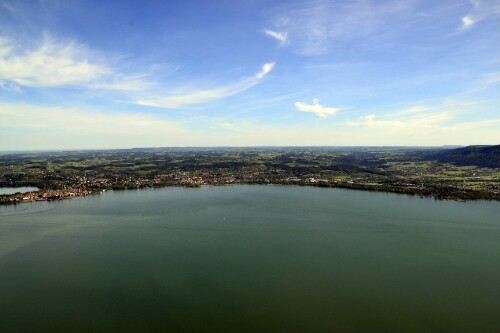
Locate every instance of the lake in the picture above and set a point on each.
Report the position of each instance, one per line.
(250, 259)
(12, 190)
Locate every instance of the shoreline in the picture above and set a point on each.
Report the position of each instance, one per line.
(40, 195)
(55, 195)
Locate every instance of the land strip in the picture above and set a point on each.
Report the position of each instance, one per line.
(61, 175)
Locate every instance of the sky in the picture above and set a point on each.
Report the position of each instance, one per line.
(123, 74)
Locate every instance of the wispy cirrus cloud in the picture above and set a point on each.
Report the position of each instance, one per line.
(315, 26)
(487, 81)
(316, 108)
(414, 110)
(66, 127)
(440, 117)
(431, 129)
(49, 65)
(53, 64)
(433, 120)
(437, 129)
(282, 37)
(205, 95)
(56, 64)
(481, 9)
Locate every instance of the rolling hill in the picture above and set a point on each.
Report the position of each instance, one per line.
(483, 156)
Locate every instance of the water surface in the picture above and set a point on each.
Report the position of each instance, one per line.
(21, 189)
(250, 259)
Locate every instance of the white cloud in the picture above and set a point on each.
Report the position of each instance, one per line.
(55, 64)
(316, 108)
(480, 11)
(69, 64)
(51, 64)
(282, 37)
(36, 127)
(414, 110)
(368, 118)
(229, 126)
(432, 120)
(265, 70)
(207, 95)
(435, 124)
(467, 21)
(430, 130)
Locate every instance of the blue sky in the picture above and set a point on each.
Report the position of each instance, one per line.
(119, 74)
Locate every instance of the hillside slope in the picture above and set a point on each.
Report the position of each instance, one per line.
(483, 156)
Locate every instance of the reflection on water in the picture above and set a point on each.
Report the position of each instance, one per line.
(250, 259)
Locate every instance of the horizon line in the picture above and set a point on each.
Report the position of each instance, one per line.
(234, 147)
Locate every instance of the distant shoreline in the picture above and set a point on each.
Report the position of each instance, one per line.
(470, 173)
(40, 195)
(56, 195)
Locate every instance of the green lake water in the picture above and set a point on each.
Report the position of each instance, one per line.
(250, 259)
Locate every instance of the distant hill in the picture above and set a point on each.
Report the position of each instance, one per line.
(483, 156)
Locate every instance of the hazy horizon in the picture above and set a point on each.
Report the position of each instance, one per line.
(114, 75)
(234, 147)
